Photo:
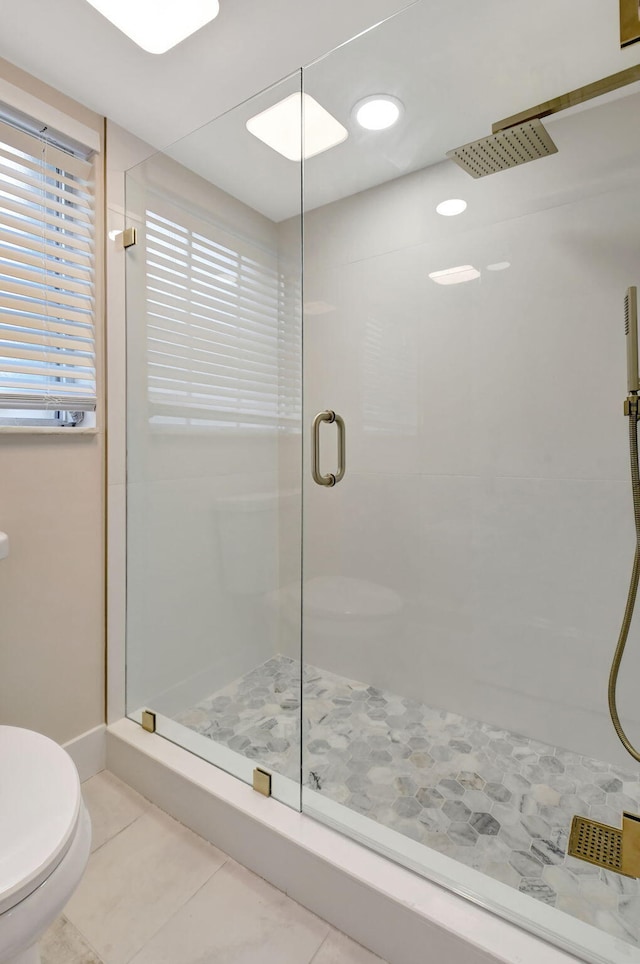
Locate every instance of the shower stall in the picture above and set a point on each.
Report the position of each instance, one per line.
(379, 514)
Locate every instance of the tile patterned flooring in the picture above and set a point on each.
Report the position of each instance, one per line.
(155, 893)
(496, 801)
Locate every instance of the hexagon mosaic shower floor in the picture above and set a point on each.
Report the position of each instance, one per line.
(498, 802)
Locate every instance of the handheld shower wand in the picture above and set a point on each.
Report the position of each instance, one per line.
(631, 410)
(631, 333)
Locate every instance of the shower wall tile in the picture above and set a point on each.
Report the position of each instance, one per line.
(369, 537)
(551, 555)
(164, 453)
(517, 588)
(487, 480)
(369, 524)
(204, 518)
(366, 224)
(183, 585)
(484, 377)
(363, 364)
(548, 332)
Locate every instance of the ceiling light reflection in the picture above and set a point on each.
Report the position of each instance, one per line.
(455, 276)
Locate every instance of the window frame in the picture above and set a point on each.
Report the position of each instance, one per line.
(53, 421)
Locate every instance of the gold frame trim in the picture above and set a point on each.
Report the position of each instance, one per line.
(629, 22)
(574, 97)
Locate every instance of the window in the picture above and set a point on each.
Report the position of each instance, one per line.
(47, 268)
(223, 326)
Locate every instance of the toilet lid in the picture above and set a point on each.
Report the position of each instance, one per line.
(39, 810)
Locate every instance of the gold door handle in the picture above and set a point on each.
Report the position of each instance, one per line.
(331, 478)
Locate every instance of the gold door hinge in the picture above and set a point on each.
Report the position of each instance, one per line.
(129, 237)
(629, 22)
(149, 721)
(262, 782)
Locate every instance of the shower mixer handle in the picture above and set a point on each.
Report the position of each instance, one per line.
(331, 478)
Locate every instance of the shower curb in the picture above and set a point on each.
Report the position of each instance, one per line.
(395, 913)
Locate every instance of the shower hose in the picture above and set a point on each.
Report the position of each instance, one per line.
(633, 585)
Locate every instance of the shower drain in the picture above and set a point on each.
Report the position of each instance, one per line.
(597, 843)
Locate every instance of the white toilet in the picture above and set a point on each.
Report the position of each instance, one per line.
(45, 839)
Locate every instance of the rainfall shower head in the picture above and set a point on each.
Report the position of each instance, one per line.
(631, 332)
(507, 148)
(522, 137)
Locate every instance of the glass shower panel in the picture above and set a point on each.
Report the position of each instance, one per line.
(214, 407)
(463, 584)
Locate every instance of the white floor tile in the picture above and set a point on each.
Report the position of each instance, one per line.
(237, 918)
(136, 881)
(112, 806)
(340, 949)
(62, 944)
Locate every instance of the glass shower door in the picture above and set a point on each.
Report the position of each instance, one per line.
(214, 408)
(463, 583)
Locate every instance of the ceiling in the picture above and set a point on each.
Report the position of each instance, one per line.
(251, 44)
(456, 66)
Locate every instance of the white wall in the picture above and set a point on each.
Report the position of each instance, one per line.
(487, 480)
(52, 614)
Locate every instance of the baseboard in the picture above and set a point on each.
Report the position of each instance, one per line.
(395, 913)
(89, 751)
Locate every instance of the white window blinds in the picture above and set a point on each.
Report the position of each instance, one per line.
(223, 328)
(47, 243)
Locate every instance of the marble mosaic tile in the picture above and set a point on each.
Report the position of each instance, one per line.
(494, 800)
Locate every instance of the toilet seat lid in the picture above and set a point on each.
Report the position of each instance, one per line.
(39, 809)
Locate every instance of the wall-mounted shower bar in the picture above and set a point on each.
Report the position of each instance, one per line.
(599, 87)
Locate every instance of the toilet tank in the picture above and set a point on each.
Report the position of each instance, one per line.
(249, 539)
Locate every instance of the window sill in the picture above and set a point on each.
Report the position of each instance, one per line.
(46, 430)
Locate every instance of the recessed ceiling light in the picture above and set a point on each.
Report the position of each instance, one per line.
(157, 27)
(279, 127)
(450, 208)
(378, 112)
(499, 266)
(455, 276)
